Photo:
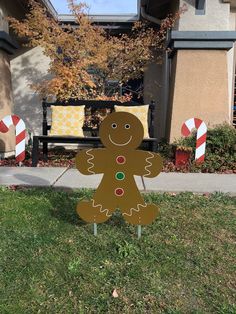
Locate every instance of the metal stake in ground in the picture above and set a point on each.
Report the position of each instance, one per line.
(95, 229)
(139, 231)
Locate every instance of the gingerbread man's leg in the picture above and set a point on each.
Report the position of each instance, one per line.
(137, 212)
(93, 212)
(98, 210)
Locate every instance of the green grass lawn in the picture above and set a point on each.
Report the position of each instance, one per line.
(50, 262)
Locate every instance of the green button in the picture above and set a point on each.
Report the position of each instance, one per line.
(120, 176)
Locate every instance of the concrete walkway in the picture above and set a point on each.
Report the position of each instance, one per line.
(72, 179)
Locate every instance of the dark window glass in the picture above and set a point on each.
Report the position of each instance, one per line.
(200, 7)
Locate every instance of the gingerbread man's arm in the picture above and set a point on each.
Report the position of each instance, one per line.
(147, 164)
(91, 161)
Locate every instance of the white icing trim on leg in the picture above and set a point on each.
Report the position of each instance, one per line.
(89, 161)
(135, 209)
(101, 210)
(105, 210)
(149, 164)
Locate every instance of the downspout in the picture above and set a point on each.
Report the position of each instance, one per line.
(166, 76)
(166, 84)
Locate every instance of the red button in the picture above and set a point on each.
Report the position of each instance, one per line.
(120, 160)
(119, 192)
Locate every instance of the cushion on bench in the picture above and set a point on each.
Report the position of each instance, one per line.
(141, 112)
(67, 120)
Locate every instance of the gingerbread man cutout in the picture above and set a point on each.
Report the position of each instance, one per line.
(121, 133)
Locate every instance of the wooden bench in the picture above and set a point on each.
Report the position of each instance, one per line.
(94, 141)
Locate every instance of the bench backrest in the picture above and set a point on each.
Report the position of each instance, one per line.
(95, 104)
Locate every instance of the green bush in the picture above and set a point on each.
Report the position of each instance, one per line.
(220, 149)
(220, 139)
(165, 149)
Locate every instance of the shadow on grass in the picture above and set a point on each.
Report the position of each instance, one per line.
(64, 201)
(64, 204)
(66, 212)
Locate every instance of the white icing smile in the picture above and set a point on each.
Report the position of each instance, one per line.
(122, 144)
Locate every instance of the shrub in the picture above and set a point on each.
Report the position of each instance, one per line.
(220, 149)
(165, 149)
(220, 139)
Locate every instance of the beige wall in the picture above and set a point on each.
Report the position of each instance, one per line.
(28, 68)
(200, 88)
(216, 17)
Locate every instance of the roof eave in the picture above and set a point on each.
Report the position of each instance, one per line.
(50, 8)
(96, 18)
(99, 18)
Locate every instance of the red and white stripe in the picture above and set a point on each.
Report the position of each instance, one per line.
(19, 124)
(195, 123)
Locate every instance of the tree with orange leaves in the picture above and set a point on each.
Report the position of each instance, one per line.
(75, 51)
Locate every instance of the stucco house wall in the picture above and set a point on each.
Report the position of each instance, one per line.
(29, 67)
(216, 17)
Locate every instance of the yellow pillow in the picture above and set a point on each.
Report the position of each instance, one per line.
(67, 120)
(141, 112)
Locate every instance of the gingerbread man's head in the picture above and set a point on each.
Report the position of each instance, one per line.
(121, 130)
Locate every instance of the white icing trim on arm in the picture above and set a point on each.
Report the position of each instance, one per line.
(89, 161)
(149, 164)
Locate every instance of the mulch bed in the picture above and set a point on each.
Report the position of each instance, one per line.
(66, 158)
(60, 158)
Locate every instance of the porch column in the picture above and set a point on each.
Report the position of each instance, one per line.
(7, 47)
(200, 79)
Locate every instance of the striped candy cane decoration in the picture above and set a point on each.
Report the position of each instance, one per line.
(195, 123)
(19, 124)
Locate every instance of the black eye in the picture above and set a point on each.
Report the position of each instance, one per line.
(114, 125)
(127, 126)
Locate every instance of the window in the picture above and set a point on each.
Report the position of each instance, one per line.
(200, 7)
